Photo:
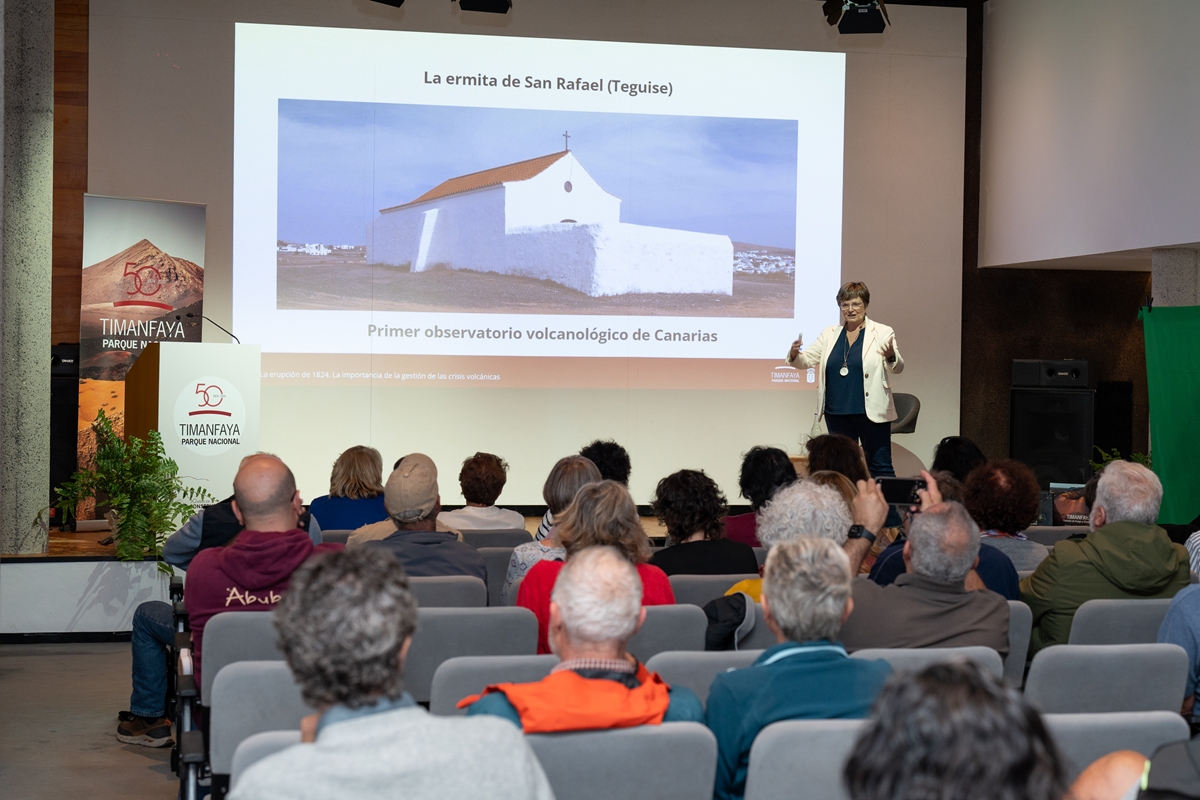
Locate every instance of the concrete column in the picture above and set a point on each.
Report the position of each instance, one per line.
(1175, 276)
(28, 166)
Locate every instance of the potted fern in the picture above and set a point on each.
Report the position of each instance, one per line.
(147, 496)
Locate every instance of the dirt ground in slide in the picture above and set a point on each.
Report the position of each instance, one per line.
(353, 287)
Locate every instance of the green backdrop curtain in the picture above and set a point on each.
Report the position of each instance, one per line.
(1173, 372)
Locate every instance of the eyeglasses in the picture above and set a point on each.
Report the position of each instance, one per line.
(855, 305)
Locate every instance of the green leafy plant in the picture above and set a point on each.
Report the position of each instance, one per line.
(1115, 455)
(144, 489)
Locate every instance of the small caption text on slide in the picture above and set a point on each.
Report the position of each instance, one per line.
(584, 334)
(633, 88)
(383, 376)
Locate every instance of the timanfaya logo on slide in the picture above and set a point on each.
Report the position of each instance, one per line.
(147, 282)
(210, 416)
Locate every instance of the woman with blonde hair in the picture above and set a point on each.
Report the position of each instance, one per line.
(355, 492)
(601, 514)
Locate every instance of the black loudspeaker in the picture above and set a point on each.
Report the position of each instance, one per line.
(1114, 417)
(1051, 430)
(1071, 374)
(64, 415)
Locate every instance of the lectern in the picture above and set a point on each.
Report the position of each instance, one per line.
(203, 399)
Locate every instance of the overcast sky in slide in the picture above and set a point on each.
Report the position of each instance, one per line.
(340, 162)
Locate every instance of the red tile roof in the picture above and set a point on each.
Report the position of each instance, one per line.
(520, 171)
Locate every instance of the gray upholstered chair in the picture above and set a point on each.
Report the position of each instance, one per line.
(761, 554)
(669, 628)
(696, 669)
(449, 591)
(760, 637)
(1118, 621)
(1020, 628)
(1050, 534)
(697, 590)
(801, 759)
(508, 537)
(1083, 738)
(496, 559)
(908, 407)
(335, 537)
(464, 676)
(250, 697)
(233, 636)
(257, 747)
(915, 659)
(444, 633)
(674, 761)
(1071, 678)
(1022, 574)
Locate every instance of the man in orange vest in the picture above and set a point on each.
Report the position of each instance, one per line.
(595, 608)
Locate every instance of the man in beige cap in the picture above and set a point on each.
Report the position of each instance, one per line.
(412, 501)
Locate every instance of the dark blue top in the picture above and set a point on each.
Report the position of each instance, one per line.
(344, 514)
(812, 680)
(844, 395)
(995, 569)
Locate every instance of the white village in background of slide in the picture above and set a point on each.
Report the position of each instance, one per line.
(547, 218)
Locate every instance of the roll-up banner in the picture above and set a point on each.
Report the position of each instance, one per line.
(143, 281)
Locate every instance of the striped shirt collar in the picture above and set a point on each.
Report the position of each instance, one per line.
(621, 665)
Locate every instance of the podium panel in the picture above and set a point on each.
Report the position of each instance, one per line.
(203, 399)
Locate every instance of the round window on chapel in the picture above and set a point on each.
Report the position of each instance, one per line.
(567, 186)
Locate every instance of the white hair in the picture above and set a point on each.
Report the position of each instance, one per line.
(599, 594)
(1128, 492)
(804, 509)
(943, 543)
(807, 583)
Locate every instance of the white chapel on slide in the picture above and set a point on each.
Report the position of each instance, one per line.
(547, 218)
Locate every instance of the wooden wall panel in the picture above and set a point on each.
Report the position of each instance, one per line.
(70, 164)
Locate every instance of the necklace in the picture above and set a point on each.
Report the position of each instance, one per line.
(844, 371)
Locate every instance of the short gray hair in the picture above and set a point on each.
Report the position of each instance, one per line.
(599, 594)
(342, 623)
(1128, 492)
(804, 508)
(944, 543)
(807, 583)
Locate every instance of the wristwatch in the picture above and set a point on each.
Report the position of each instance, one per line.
(859, 532)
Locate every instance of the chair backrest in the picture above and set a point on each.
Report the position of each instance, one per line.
(697, 669)
(914, 659)
(335, 537)
(443, 633)
(258, 747)
(761, 554)
(697, 590)
(507, 537)
(1049, 534)
(233, 636)
(1083, 738)
(1097, 678)
(1022, 574)
(760, 637)
(801, 759)
(1020, 628)
(250, 697)
(907, 409)
(449, 591)
(1118, 621)
(464, 676)
(514, 591)
(669, 628)
(496, 559)
(674, 761)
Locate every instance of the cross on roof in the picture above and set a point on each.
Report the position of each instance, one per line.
(566, 140)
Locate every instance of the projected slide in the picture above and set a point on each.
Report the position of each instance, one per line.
(494, 211)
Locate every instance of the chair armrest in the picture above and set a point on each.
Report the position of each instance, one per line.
(191, 747)
(179, 614)
(175, 592)
(187, 687)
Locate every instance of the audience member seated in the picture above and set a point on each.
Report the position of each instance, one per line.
(1125, 556)
(995, 570)
(833, 451)
(957, 455)
(691, 507)
(929, 605)
(345, 628)
(566, 478)
(355, 491)
(954, 730)
(1181, 626)
(613, 462)
(806, 508)
(1172, 773)
(596, 606)
(481, 479)
(836, 480)
(386, 527)
(249, 573)
(764, 470)
(1002, 497)
(807, 675)
(413, 503)
(601, 514)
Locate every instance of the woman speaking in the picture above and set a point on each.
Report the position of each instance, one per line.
(853, 392)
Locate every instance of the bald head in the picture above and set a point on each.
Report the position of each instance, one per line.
(264, 495)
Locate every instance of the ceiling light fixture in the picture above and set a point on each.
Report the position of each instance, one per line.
(856, 16)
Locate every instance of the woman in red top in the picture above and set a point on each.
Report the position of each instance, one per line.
(602, 514)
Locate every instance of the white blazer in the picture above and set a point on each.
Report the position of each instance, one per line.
(876, 386)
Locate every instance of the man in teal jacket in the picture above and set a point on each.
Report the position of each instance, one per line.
(1126, 556)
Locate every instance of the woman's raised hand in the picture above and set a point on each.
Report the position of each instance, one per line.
(797, 346)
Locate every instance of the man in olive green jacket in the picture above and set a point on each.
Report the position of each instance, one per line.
(1126, 556)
